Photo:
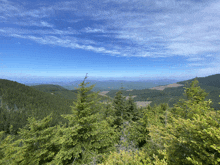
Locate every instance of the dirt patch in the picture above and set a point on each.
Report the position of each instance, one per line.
(167, 86)
(143, 103)
(139, 103)
(103, 93)
(127, 97)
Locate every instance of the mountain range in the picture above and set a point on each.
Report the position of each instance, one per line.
(101, 85)
(155, 91)
(22, 101)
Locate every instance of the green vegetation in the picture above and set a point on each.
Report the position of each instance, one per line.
(173, 95)
(91, 132)
(18, 102)
(116, 84)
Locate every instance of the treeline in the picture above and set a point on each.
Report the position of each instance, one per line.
(120, 133)
(57, 90)
(18, 102)
(172, 95)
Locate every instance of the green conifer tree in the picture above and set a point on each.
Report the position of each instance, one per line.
(119, 104)
(139, 130)
(131, 109)
(35, 145)
(192, 136)
(109, 112)
(87, 137)
(194, 95)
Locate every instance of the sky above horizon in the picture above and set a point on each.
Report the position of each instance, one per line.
(109, 39)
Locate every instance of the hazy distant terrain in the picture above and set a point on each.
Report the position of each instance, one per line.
(44, 99)
(167, 86)
(117, 84)
(152, 91)
(103, 85)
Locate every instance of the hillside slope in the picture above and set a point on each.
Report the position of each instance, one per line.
(212, 80)
(171, 94)
(18, 102)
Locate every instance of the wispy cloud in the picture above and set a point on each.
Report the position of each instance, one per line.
(143, 28)
(35, 23)
(208, 71)
(42, 12)
(91, 30)
(69, 42)
(195, 59)
(8, 8)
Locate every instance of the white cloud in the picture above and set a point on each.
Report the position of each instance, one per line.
(91, 30)
(7, 8)
(53, 40)
(38, 32)
(208, 71)
(141, 28)
(35, 23)
(195, 59)
(38, 13)
(46, 24)
(194, 64)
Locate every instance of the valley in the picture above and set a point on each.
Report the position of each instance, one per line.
(139, 103)
(146, 103)
(21, 104)
(167, 86)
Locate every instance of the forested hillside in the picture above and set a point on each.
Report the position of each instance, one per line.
(168, 95)
(57, 90)
(172, 95)
(41, 100)
(22, 101)
(117, 84)
(114, 133)
(213, 80)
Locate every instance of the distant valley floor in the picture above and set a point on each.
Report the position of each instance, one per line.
(139, 103)
(146, 103)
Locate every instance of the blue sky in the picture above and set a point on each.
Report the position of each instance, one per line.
(109, 39)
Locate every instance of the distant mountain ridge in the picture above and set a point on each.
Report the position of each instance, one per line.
(141, 89)
(21, 101)
(172, 95)
(112, 84)
(49, 87)
(117, 84)
(212, 80)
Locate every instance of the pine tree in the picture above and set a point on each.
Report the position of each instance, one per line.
(131, 109)
(194, 95)
(87, 136)
(139, 130)
(119, 104)
(132, 158)
(109, 112)
(192, 136)
(35, 145)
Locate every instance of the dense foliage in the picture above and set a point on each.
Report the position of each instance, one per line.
(18, 102)
(113, 133)
(173, 95)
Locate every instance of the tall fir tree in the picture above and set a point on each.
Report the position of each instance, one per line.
(119, 104)
(34, 146)
(131, 109)
(194, 95)
(88, 137)
(192, 136)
